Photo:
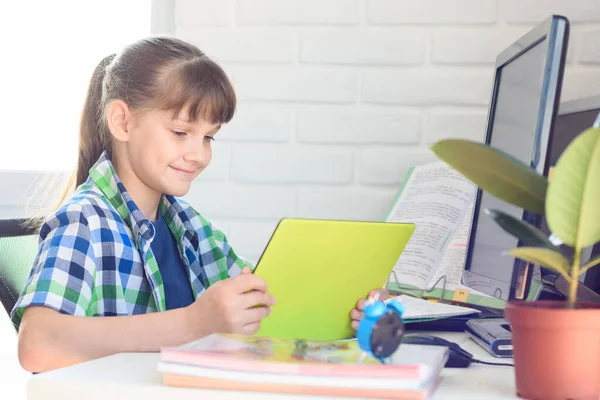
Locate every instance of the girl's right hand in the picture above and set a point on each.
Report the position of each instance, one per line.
(234, 305)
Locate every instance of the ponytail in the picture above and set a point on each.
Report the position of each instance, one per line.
(94, 137)
(93, 140)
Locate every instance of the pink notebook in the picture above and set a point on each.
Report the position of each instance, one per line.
(256, 354)
(179, 380)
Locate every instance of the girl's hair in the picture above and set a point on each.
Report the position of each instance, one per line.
(156, 72)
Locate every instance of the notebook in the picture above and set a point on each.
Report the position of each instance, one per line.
(236, 362)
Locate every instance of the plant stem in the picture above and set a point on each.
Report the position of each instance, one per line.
(574, 284)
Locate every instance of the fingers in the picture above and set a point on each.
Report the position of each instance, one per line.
(246, 271)
(255, 298)
(254, 315)
(356, 314)
(247, 282)
(360, 305)
(384, 294)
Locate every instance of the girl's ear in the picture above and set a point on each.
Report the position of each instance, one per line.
(119, 118)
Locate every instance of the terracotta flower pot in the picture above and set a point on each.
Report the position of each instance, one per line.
(556, 350)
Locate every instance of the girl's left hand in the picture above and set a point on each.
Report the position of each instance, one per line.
(357, 313)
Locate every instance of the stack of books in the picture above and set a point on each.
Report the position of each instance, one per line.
(331, 368)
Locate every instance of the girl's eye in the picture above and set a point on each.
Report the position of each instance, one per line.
(179, 133)
(209, 138)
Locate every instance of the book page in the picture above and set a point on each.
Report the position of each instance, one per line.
(418, 308)
(453, 260)
(434, 198)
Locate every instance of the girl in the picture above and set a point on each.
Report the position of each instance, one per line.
(123, 245)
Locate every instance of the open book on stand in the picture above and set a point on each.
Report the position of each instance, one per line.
(439, 200)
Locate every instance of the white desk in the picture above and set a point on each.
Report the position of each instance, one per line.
(134, 376)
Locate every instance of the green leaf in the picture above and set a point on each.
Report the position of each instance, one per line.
(573, 210)
(529, 234)
(495, 172)
(545, 257)
(592, 263)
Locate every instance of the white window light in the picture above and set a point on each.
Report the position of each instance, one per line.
(48, 56)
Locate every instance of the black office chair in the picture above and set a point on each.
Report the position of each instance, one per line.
(18, 248)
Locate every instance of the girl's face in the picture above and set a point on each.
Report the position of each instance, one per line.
(167, 154)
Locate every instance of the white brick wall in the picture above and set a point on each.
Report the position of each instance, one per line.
(463, 123)
(374, 46)
(387, 166)
(472, 45)
(245, 45)
(591, 47)
(422, 87)
(285, 164)
(431, 12)
(202, 12)
(337, 98)
(294, 83)
(531, 11)
(359, 125)
(294, 12)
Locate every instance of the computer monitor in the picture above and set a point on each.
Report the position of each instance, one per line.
(521, 118)
(574, 117)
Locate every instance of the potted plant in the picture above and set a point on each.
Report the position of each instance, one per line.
(556, 343)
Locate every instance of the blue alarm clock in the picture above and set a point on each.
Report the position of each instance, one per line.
(381, 329)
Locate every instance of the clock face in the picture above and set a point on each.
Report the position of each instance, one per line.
(387, 335)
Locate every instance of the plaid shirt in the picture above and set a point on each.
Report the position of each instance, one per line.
(95, 258)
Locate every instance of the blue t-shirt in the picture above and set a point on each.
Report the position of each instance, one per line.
(174, 272)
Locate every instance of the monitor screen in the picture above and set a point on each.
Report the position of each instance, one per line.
(517, 125)
(574, 117)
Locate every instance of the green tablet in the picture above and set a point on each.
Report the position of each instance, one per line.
(318, 269)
